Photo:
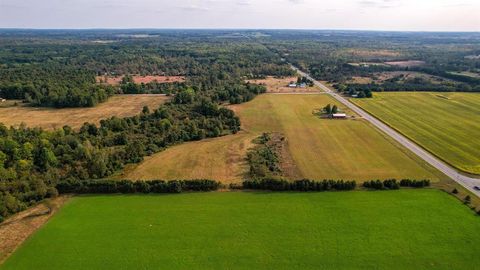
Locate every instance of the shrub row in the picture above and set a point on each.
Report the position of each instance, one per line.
(393, 184)
(127, 186)
(299, 185)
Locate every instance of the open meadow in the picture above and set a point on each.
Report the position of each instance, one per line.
(320, 148)
(407, 229)
(50, 118)
(446, 124)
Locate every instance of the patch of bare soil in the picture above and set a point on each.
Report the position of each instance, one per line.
(19, 227)
(115, 80)
(409, 63)
(280, 85)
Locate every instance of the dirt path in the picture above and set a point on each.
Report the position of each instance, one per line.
(19, 227)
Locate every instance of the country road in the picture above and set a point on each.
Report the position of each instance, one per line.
(467, 182)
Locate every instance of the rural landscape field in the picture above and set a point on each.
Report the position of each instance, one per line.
(226, 135)
(119, 106)
(257, 230)
(447, 124)
(343, 149)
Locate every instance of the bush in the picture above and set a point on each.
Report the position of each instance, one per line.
(126, 186)
(278, 184)
(467, 199)
(414, 183)
(392, 184)
(455, 191)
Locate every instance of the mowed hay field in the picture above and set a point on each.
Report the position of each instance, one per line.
(50, 118)
(222, 159)
(446, 124)
(320, 148)
(407, 229)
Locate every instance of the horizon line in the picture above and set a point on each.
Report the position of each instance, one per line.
(240, 28)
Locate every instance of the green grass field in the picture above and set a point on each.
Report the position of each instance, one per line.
(408, 229)
(320, 148)
(446, 124)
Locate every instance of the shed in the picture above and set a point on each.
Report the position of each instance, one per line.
(339, 115)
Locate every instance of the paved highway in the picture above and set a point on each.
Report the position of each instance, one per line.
(468, 182)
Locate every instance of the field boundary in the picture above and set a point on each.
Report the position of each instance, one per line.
(17, 229)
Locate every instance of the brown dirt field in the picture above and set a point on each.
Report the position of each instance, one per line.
(19, 227)
(381, 77)
(361, 80)
(48, 118)
(280, 85)
(372, 53)
(410, 63)
(140, 79)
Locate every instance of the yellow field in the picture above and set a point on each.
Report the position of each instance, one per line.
(219, 158)
(321, 148)
(48, 118)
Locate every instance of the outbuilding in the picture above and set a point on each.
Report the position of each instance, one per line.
(339, 115)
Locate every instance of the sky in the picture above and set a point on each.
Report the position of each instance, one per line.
(394, 15)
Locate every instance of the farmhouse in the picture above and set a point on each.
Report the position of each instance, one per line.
(339, 115)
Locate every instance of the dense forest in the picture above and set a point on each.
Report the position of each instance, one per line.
(339, 56)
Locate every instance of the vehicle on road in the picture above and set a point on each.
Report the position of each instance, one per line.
(476, 187)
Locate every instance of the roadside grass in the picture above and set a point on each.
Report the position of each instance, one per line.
(320, 148)
(406, 229)
(445, 124)
(50, 118)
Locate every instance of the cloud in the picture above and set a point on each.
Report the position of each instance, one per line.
(243, 3)
(193, 8)
(296, 1)
(379, 3)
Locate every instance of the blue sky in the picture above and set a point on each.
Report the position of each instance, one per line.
(416, 15)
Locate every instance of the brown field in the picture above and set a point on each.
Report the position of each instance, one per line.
(140, 79)
(366, 64)
(16, 229)
(409, 63)
(360, 80)
(372, 53)
(381, 77)
(48, 118)
(280, 85)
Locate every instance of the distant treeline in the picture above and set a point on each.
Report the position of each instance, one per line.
(52, 85)
(392, 87)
